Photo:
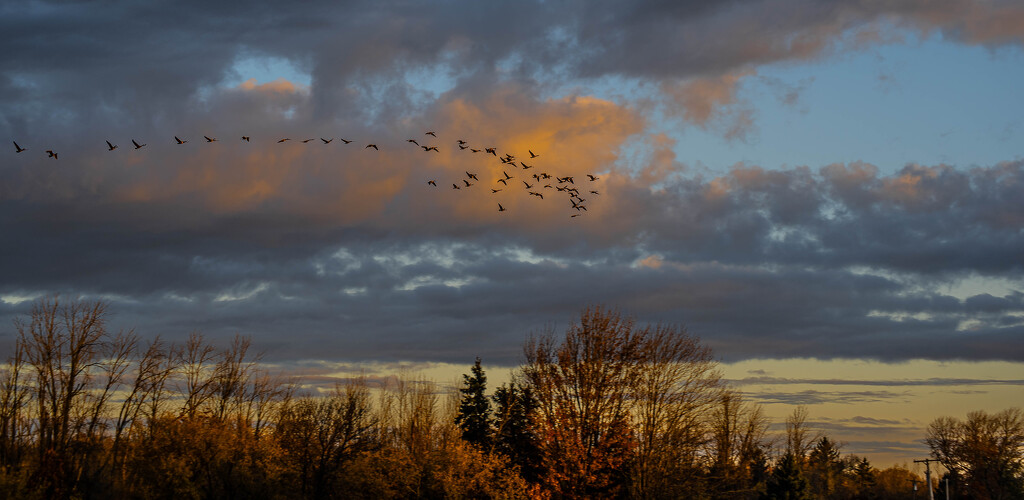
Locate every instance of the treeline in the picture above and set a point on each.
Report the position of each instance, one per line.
(609, 409)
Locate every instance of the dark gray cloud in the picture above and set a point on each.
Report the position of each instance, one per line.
(335, 253)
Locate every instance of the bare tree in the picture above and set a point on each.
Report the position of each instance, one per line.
(14, 397)
(677, 383)
(194, 359)
(737, 446)
(64, 346)
(799, 439)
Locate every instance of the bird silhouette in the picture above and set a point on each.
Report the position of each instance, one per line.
(461, 142)
(528, 186)
(534, 193)
(430, 148)
(179, 140)
(210, 139)
(49, 152)
(532, 154)
(306, 141)
(374, 146)
(467, 182)
(282, 140)
(474, 150)
(455, 186)
(494, 190)
(430, 133)
(506, 175)
(595, 192)
(111, 146)
(501, 208)
(245, 138)
(137, 145)
(346, 142)
(17, 148)
(503, 181)
(327, 141)
(472, 176)
(525, 166)
(491, 150)
(574, 215)
(432, 183)
(412, 141)
(593, 177)
(463, 147)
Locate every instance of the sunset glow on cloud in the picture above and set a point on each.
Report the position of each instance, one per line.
(825, 184)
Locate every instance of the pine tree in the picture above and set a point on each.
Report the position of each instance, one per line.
(825, 468)
(474, 417)
(515, 435)
(787, 482)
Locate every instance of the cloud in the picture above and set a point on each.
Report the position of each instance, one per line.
(339, 250)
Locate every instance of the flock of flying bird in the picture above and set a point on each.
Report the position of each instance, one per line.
(540, 180)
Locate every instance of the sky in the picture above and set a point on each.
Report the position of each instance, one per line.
(827, 193)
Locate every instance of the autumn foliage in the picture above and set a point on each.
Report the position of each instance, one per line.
(610, 409)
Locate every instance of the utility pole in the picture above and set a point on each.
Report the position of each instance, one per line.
(928, 475)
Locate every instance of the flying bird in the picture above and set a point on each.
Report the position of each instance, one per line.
(430, 148)
(430, 133)
(210, 139)
(179, 140)
(593, 177)
(467, 182)
(595, 192)
(503, 181)
(494, 190)
(463, 147)
(491, 150)
(532, 154)
(326, 141)
(346, 142)
(501, 208)
(461, 142)
(374, 146)
(455, 186)
(137, 145)
(525, 166)
(111, 146)
(474, 150)
(306, 141)
(574, 215)
(245, 138)
(412, 141)
(17, 148)
(528, 186)
(282, 140)
(537, 194)
(472, 176)
(432, 183)
(49, 152)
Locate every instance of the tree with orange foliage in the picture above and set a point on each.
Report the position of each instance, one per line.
(603, 401)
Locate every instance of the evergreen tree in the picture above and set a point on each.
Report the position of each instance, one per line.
(515, 435)
(825, 468)
(474, 417)
(787, 481)
(865, 477)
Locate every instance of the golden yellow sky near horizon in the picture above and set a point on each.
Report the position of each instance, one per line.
(877, 410)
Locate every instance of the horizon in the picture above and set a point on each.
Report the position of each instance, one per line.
(829, 195)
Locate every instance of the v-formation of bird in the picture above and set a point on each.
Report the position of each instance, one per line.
(565, 184)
